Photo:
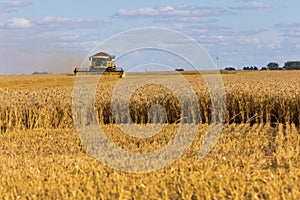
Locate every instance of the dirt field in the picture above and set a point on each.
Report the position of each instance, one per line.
(256, 157)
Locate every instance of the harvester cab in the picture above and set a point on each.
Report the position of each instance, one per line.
(101, 63)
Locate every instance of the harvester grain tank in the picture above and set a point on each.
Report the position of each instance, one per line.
(101, 63)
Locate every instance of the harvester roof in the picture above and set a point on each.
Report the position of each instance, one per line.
(104, 54)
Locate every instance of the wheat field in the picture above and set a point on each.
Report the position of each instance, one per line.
(256, 157)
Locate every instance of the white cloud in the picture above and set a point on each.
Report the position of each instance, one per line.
(256, 41)
(169, 11)
(292, 34)
(166, 8)
(169, 16)
(12, 6)
(185, 20)
(56, 36)
(17, 23)
(66, 22)
(50, 19)
(146, 11)
(52, 23)
(290, 30)
(252, 6)
(275, 44)
(297, 46)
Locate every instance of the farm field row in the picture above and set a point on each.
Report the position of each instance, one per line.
(45, 101)
(256, 157)
(248, 162)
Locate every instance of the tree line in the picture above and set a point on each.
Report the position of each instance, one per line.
(289, 65)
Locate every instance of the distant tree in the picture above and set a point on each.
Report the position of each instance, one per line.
(230, 68)
(273, 66)
(263, 68)
(250, 68)
(292, 65)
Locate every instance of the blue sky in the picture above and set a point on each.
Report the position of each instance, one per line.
(55, 36)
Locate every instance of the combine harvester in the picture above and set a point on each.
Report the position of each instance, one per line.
(101, 63)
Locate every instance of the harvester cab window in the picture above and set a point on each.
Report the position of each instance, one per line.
(99, 61)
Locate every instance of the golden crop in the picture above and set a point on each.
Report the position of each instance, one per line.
(257, 155)
(251, 97)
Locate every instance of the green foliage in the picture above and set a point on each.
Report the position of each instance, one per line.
(230, 68)
(264, 68)
(250, 68)
(273, 66)
(292, 65)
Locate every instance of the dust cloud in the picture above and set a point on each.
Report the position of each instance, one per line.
(14, 62)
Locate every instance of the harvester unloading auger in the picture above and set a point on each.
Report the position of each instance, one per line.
(101, 63)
